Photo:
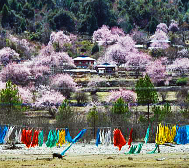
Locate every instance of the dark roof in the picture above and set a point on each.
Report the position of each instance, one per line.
(83, 56)
(106, 63)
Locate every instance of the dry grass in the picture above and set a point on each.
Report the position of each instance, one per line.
(92, 161)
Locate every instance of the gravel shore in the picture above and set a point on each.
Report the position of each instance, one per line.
(89, 149)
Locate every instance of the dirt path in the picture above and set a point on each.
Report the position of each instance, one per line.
(92, 161)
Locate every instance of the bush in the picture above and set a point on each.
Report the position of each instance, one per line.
(81, 97)
(181, 81)
(142, 119)
(95, 49)
(65, 114)
(185, 113)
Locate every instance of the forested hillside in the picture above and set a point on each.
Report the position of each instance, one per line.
(40, 17)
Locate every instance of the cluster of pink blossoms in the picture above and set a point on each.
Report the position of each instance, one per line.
(127, 95)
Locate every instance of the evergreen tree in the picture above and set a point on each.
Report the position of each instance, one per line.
(19, 7)
(28, 11)
(64, 20)
(120, 107)
(92, 24)
(10, 101)
(92, 118)
(2, 3)
(65, 114)
(14, 5)
(23, 25)
(152, 25)
(5, 16)
(146, 93)
(161, 113)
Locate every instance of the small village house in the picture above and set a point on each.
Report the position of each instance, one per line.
(84, 61)
(105, 68)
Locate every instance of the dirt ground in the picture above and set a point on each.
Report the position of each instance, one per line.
(175, 160)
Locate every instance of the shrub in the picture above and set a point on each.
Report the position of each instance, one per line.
(92, 115)
(185, 113)
(95, 49)
(81, 97)
(65, 114)
(160, 114)
(181, 81)
(142, 119)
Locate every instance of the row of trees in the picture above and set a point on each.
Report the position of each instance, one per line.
(12, 106)
(116, 113)
(40, 17)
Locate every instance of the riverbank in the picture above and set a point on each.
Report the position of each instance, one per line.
(88, 155)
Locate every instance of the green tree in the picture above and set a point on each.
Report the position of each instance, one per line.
(14, 5)
(152, 25)
(23, 25)
(64, 20)
(28, 11)
(2, 3)
(91, 24)
(19, 7)
(5, 16)
(65, 114)
(160, 113)
(92, 118)
(120, 107)
(10, 102)
(95, 49)
(146, 93)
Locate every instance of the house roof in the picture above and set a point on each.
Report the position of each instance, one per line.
(164, 41)
(106, 65)
(84, 58)
(79, 70)
(139, 46)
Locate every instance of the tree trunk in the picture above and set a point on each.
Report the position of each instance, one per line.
(51, 113)
(94, 127)
(148, 113)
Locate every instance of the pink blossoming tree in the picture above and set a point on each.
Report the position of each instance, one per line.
(19, 74)
(156, 71)
(104, 36)
(8, 55)
(23, 45)
(25, 94)
(127, 95)
(179, 66)
(117, 31)
(63, 83)
(60, 38)
(163, 27)
(120, 52)
(159, 40)
(137, 62)
(48, 99)
(50, 58)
